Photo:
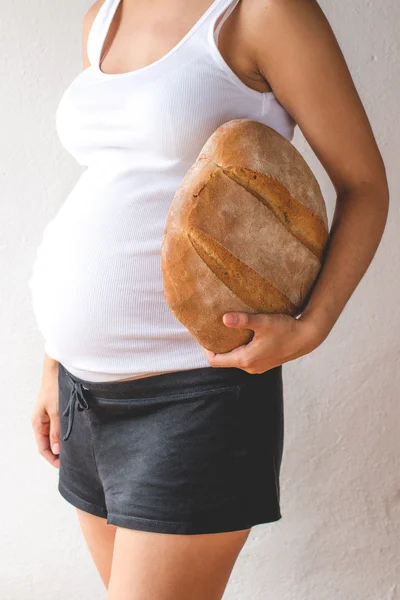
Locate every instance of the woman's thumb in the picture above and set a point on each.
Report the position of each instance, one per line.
(55, 434)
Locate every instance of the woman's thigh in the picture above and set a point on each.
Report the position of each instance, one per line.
(164, 566)
(99, 536)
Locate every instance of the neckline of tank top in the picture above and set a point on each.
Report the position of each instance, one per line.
(211, 38)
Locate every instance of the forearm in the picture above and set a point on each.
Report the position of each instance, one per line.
(357, 227)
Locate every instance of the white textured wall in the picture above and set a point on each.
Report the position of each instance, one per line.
(339, 536)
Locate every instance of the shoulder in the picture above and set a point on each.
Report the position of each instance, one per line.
(271, 17)
(86, 26)
(292, 43)
(296, 49)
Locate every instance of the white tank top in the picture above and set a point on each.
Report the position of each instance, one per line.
(96, 284)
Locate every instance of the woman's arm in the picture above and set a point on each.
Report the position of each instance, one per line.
(297, 52)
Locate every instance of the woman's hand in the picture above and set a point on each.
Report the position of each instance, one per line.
(45, 418)
(278, 338)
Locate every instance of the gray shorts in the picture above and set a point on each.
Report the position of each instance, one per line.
(188, 452)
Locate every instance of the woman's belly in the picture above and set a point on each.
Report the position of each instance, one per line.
(145, 375)
(96, 285)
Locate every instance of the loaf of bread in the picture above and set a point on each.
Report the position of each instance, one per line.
(246, 231)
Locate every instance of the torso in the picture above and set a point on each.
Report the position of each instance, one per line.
(137, 124)
(163, 31)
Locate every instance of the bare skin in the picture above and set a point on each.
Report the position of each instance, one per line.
(181, 559)
(45, 417)
(287, 46)
(99, 536)
(161, 566)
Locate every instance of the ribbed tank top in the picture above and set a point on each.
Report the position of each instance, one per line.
(96, 283)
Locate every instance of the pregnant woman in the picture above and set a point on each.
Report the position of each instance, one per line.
(169, 453)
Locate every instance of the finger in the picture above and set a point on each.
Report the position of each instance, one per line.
(209, 354)
(252, 321)
(43, 445)
(41, 428)
(235, 358)
(55, 433)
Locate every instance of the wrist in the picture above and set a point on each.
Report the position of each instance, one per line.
(50, 369)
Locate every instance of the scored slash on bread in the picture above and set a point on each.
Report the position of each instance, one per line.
(301, 221)
(244, 281)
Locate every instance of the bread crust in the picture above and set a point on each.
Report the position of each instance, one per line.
(246, 231)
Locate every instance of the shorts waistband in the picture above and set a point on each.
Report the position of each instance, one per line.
(176, 381)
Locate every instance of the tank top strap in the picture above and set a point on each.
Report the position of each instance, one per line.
(225, 8)
(99, 28)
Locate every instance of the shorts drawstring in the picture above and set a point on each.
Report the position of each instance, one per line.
(77, 397)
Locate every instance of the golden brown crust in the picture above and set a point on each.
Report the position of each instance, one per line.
(246, 283)
(255, 146)
(307, 226)
(235, 242)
